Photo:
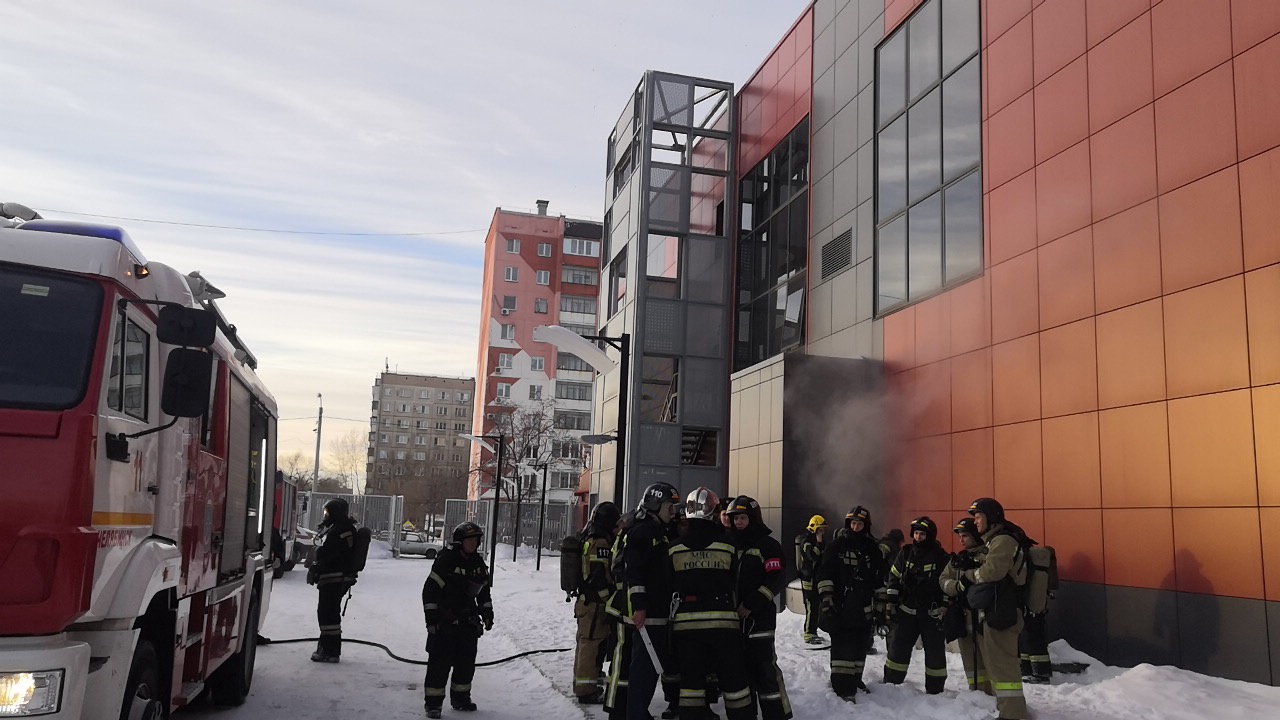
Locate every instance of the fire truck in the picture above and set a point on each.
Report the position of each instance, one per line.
(137, 460)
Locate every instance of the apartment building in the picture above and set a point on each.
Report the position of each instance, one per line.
(539, 269)
(414, 444)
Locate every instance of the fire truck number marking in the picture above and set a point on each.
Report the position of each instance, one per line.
(114, 538)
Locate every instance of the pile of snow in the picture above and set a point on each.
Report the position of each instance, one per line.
(385, 607)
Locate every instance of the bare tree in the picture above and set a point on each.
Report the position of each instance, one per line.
(348, 457)
(296, 468)
(532, 439)
(332, 484)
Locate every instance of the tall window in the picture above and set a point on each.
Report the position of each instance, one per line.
(535, 392)
(537, 363)
(544, 277)
(509, 302)
(580, 275)
(928, 154)
(504, 360)
(540, 306)
(578, 246)
(544, 249)
(513, 245)
(569, 361)
(508, 332)
(576, 304)
(504, 390)
(773, 252)
(513, 274)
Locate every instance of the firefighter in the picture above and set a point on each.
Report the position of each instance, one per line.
(951, 583)
(705, 627)
(761, 577)
(646, 573)
(594, 625)
(620, 646)
(1002, 567)
(916, 605)
(809, 546)
(851, 572)
(331, 574)
(458, 610)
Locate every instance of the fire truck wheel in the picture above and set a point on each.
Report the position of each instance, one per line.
(141, 701)
(230, 684)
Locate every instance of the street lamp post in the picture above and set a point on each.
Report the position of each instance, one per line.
(497, 488)
(569, 341)
(542, 515)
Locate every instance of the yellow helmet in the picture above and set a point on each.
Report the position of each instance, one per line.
(816, 523)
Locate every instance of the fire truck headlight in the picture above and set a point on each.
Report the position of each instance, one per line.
(25, 694)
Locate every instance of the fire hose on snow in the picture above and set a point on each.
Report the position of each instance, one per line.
(387, 650)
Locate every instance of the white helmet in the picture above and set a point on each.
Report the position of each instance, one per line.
(701, 504)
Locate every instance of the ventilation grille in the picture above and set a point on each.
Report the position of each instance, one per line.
(837, 254)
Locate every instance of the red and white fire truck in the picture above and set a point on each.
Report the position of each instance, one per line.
(137, 460)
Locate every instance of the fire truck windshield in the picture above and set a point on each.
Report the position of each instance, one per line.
(48, 327)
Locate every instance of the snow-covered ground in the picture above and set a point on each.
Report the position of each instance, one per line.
(532, 614)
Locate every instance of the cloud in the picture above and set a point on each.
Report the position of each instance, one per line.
(384, 116)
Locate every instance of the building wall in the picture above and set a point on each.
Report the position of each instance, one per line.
(1114, 376)
(778, 96)
(841, 277)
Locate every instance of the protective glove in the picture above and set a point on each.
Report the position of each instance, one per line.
(937, 611)
(488, 623)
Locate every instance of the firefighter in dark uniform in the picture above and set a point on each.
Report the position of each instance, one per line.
(809, 546)
(761, 576)
(331, 574)
(458, 609)
(851, 572)
(706, 628)
(916, 605)
(594, 624)
(646, 572)
(615, 697)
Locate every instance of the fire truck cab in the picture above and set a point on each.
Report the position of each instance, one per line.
(137, 461)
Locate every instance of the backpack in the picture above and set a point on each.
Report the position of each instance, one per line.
(360, 549)
(1037, 577)
(801, 566)
(571, 564)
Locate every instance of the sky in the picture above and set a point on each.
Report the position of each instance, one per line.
(403, 123)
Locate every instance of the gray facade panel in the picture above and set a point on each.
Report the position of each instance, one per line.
(822, 151)
(821, 197)
(846, 132)
(663, 327)
(866, 172)
(1220, 636)
(865, 290)
(824, 12)
(705, 330)
(1142, 626)
(847, 27)
(824, 48)
(1273, 630)
(866, 116)
(846, 70)
(867, 53)
(1080, 616)
(845, 188)
(870, 15)
(702, 391)
(863, 232)
(824, 90)
(659, 444)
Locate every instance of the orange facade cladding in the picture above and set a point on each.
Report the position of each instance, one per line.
(778, 96)
(1114, 375)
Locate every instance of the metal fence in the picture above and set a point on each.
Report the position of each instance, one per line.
(383, 514)
(561, 520)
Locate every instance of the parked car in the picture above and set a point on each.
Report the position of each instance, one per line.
(416, 543)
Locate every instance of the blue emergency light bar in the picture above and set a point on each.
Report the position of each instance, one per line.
(71, 227)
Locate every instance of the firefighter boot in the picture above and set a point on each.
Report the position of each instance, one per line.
(433, 712)
(324, 656)
(462, 703)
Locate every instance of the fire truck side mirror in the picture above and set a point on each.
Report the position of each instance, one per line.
(187, 377)
(188, 327)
